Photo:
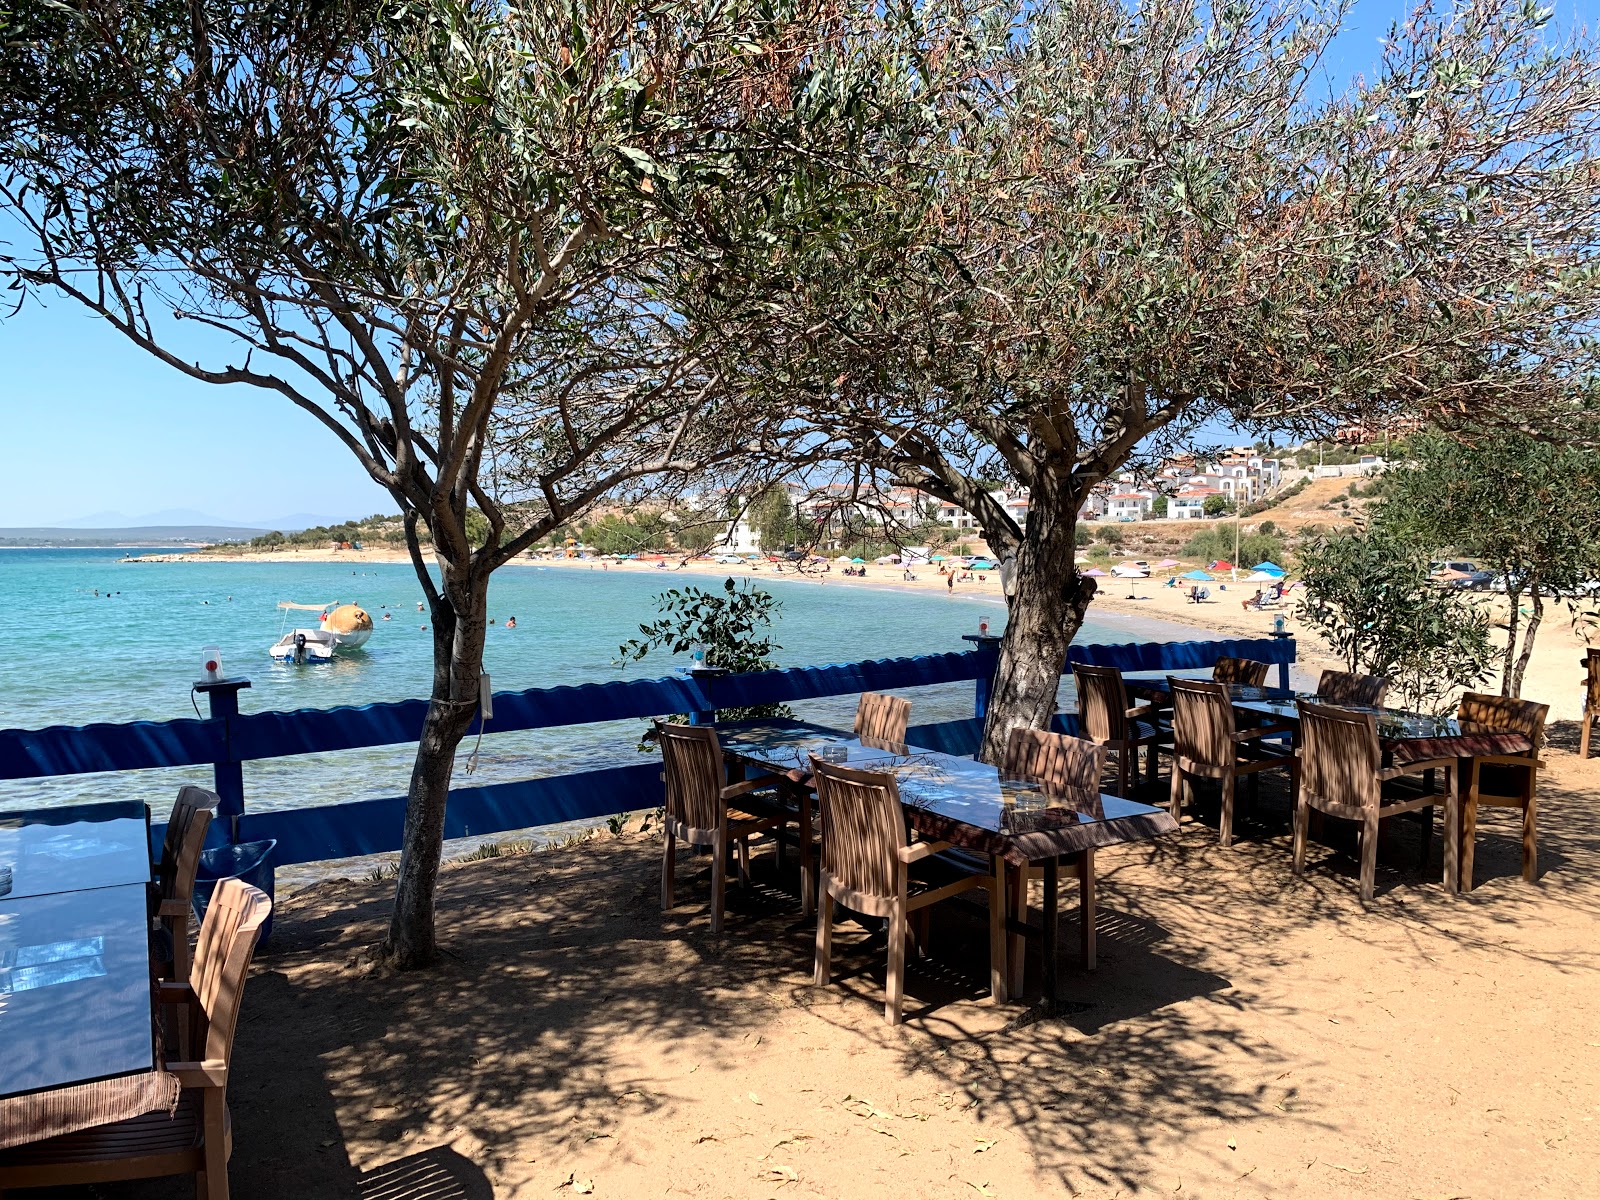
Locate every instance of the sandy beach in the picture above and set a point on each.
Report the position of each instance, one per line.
(1554, 676)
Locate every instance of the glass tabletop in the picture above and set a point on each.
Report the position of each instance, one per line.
(65, 849)
(1394, 724)
(74, 988)
(959, 799)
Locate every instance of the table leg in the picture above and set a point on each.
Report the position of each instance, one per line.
(1051, 951)
(808, 888)
(1087, 908)
(1453, 781)
(999, 903)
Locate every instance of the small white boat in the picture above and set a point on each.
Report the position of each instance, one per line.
(342, 627)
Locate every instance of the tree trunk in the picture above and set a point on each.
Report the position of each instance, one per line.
(1047, 607)
(459, 617)
(1513, 687)
(1513, 620)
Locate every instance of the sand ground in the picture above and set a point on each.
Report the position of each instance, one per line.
(1247, 1034)
(1554, 676)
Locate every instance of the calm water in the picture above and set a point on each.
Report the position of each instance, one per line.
(95, 639)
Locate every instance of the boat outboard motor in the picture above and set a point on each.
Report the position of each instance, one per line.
(299, 647)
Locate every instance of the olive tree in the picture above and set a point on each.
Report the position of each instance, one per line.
(449, 231)
(1368, 596)
(1132, 219)
(1527, 508)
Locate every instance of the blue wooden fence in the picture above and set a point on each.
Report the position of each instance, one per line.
(229, 738)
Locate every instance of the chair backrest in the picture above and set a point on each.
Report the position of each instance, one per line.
(1240, 670)
(1062, 765)
(1341, 687)
(1592, 661)
(1202, 720)
(1102, 703)
(185, 839)
(1482, 713)
(694, 774)
(862, 828)
(882, 717)
(1339, 755)
(222, 959)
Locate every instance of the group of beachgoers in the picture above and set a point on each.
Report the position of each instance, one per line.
(511, 622)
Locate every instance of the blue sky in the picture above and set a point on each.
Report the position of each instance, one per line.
(90, 424)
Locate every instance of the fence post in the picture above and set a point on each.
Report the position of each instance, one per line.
(228, 772)
(986, 643)
(704, 676)
(1279, 635)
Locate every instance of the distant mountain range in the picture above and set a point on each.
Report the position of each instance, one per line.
(136, 535)
(187, 517)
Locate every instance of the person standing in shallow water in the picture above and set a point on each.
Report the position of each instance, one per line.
(950, 584)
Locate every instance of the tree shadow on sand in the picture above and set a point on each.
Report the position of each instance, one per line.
(568, 1007)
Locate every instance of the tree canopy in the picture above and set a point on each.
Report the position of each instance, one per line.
(1128, 220)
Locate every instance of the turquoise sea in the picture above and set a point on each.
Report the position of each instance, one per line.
(98, 639)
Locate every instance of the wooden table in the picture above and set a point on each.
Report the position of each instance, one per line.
(966, 803)
(75, 982)
(1404, 737)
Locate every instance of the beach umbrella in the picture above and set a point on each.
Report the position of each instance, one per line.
(1166, 563)
(982, 565)
(858, 560)
(1222, 565)
(1199, 576)
(1262, 577)
(844, 558)
(1271, 568)
(937, 558)
(1096, 572)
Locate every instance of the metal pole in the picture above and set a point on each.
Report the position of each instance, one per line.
(228, 772)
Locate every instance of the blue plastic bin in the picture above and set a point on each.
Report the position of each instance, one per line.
(250, 862)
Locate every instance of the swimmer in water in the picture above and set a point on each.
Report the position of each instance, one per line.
(511, 622)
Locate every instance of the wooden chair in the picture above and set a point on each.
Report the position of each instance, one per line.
(1341, 687)
(180, 859)
(1063, 766)
(1208, 744)
(1106, 719)
(1341, 774)
(1246, 671)
(699, 809)
(1591, 701)
(882, 717)
(198, 1137)
(869, 864)
(1501, 780)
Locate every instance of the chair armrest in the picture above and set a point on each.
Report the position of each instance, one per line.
(735, 790)
(213, 1072)
(918, 851)
(174, 993)
(1141, 710)
(1414, 768)
(172, 908)
(1245, 735)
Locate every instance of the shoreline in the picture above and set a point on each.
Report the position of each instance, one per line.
(1553, 676)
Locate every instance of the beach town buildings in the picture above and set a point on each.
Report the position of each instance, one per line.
(846, 512)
